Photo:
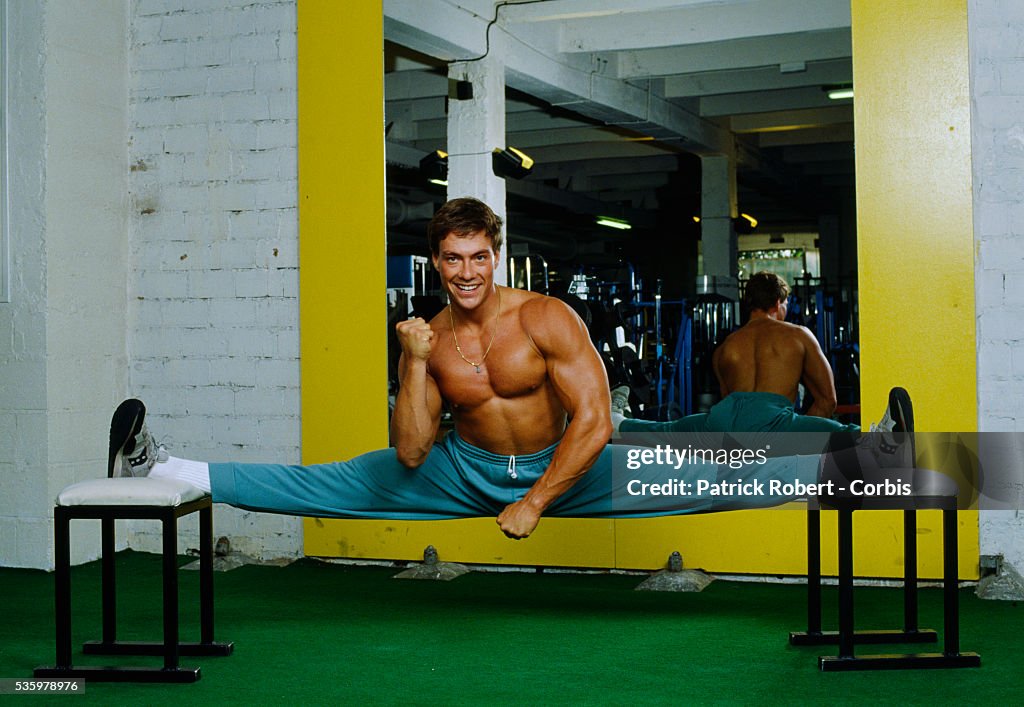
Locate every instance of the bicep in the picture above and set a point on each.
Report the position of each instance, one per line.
(574, 367)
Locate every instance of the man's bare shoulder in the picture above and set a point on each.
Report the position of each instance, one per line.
(534, 304)
(771, 327)
(547, 321)
(791, 329)
(799, 330)
(757, 333)
(791, 336)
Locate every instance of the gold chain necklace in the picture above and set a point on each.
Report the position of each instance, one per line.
(458, 348)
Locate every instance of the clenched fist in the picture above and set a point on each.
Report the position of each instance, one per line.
(416, 338)
(518, 520)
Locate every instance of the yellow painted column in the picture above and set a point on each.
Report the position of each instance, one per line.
(914, 217)
(914, 210)
(342, 237)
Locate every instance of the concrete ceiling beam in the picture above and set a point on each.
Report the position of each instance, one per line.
(730, 55)
(769, 78)
(684, 23)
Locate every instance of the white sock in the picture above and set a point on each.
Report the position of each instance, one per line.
(193, 472)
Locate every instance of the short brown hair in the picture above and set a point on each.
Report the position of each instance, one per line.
(764, 290)
(463, 217)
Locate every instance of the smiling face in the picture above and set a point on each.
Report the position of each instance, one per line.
(466, 265)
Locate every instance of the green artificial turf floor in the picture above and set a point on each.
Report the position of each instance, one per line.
(318, 633)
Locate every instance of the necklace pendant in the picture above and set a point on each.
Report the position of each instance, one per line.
(477, 368)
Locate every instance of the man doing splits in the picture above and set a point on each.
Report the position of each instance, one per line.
(529, 398)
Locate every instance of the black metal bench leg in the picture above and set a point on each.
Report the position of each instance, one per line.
(910, 607)
(62, 585)
(206, 645)
(950, 585)
(951, 657)
(814, 572)
(845, 583)
(109, 582)
(170, 648)
(813, 634)
(206, 575)
(170, 580)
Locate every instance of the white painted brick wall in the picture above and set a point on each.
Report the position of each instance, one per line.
(64, 361)
(23, 320)
(996, 36)
(214, 293)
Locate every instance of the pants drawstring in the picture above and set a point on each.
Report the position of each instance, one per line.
(512, 467)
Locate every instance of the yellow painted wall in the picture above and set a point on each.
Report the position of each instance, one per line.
(914, 209)
(914, 228)
(775, 542)
(740, 542)
(342, 302)
(914, 216)
(557, 542)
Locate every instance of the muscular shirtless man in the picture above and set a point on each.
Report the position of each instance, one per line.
(529, 398)
(759, 367)
(522, 365)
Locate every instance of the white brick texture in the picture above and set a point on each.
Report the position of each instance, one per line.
(213, 303)
(998, 162)
(996, 40)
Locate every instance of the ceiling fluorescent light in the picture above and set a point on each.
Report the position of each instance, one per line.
(837, 94)
(611, 222)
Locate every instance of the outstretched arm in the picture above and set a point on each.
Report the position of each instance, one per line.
(817, 377)
(417, 413)
(577, 374)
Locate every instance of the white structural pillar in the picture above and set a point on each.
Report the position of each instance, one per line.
(718, 209)
(476, 126)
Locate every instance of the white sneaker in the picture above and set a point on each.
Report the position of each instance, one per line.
(885, 450)
(132, 450)
(620, 401)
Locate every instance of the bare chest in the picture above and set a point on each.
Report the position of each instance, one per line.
(512, 369)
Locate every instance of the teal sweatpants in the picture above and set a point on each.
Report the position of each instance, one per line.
(745, 412)
(458, 480)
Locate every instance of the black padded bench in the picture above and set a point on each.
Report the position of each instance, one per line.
(929, 490)
(108, 500)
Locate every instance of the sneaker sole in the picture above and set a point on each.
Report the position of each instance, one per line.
(124, 425)
(901, 409)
